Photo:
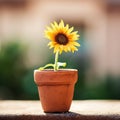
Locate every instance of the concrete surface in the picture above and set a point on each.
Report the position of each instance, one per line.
(80, 110)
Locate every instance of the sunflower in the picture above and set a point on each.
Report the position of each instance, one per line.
(62, 38)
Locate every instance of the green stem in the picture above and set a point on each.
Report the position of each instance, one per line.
(56, 61)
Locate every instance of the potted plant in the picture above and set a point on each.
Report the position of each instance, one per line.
(56, 86)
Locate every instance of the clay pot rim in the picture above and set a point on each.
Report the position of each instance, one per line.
(51, 77)
(60, 70)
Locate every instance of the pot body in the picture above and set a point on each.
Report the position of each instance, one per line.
(56, 88)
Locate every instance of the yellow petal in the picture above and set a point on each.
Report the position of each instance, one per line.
(56, 25)
(70, 30)
(74, 48)
(61, 24)
(49, 29)
(76, 44)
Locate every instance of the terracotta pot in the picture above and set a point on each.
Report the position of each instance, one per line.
(56, 88)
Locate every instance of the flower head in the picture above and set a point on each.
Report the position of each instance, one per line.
(62, 38)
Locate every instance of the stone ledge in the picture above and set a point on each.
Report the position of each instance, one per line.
(80, 110)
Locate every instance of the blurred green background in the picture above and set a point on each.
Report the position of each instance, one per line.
(23, 47)
(17, 82)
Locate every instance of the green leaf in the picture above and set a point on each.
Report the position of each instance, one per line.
(59, 64)
(46, 66)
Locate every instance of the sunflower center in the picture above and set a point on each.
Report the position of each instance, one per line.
(61, 39)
